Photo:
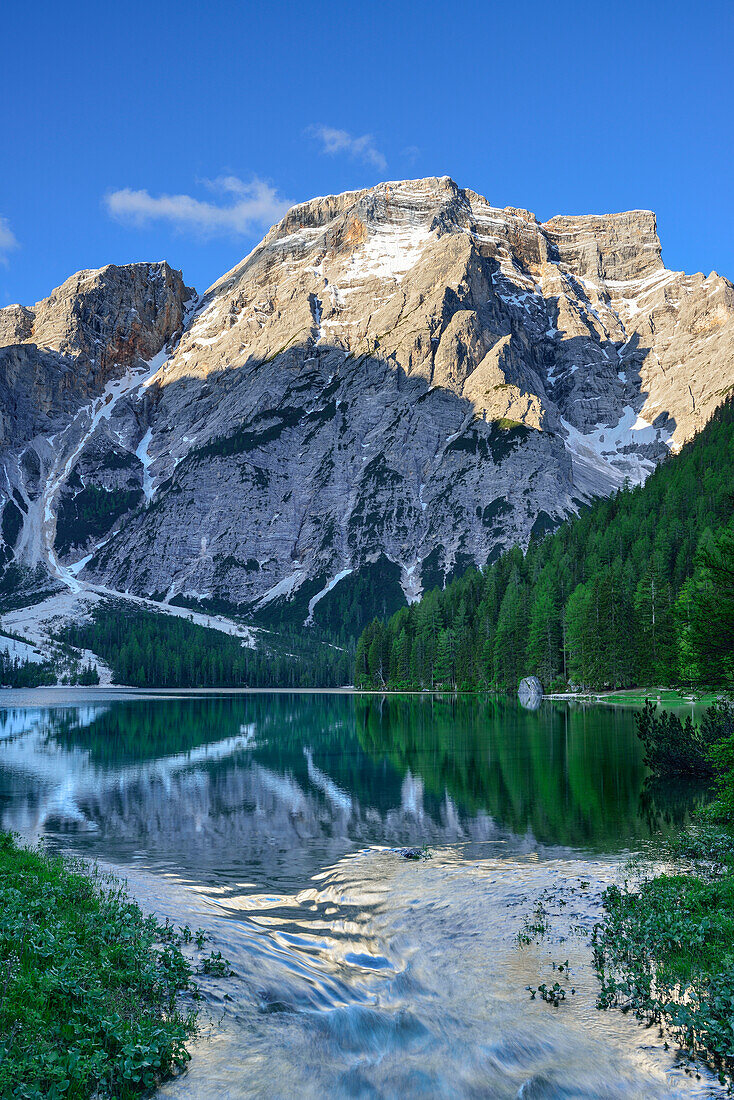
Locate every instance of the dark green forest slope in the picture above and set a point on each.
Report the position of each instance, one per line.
(146, 649)
(638, 589)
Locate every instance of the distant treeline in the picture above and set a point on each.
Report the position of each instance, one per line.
(638, 589)
(18, 673)
(22, 674)
(148, 649)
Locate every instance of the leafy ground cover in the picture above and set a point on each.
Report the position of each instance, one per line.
(665, 946)
(665, 949)
(89, 985)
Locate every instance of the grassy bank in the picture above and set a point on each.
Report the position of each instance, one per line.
(666, 697)
(665, 948)
(88, 984)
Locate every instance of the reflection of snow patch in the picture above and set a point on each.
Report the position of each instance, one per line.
(70, 778)
(334, 793)
(285, 789)
(411, 795)
(16, 721)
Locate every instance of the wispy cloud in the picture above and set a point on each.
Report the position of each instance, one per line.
(244, 207)
(340, 141)
(8, 240)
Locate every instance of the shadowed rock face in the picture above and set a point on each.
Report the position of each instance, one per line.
(65, 367)
(403, 378)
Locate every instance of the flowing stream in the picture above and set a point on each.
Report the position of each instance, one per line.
(274, 821)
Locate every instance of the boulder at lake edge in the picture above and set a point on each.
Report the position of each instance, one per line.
(530, 692)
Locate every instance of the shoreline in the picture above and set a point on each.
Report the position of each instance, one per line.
(59, 694)
(351, 690)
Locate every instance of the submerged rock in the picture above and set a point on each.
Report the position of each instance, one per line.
(415, 853)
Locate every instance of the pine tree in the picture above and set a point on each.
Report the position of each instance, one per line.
(544, 631)
(442, 668)
(578, 631)
(378, 663)
(510, 639)
(655, 640)
(711, 635)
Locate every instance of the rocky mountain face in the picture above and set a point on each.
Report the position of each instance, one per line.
(394, 384)
(65, 366)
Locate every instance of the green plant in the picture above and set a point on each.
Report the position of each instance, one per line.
(674, 747)
(717, 728)
(216, 965)
(88, 984)
(536, 925)
(552, 994)
(665, 951)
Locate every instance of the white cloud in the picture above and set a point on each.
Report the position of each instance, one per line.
(340, 141)
(8, 240)
(250, 207)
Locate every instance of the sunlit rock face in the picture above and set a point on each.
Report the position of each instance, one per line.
(395, 383)
(88, 332)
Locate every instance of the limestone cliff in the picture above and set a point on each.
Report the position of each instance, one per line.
(396, 382)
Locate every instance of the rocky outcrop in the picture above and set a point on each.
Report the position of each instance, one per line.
(65, 365)
(617, 248)
(530, 693)
(88, 332)
(395, 383)
(16, 325)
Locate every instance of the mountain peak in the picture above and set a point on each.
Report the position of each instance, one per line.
(622, 247)
(396, 382)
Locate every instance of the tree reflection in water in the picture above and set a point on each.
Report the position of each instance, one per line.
(365, 768)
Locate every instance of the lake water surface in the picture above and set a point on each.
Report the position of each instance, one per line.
(272, 819)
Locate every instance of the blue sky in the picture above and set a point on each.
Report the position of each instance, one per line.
(180, 131)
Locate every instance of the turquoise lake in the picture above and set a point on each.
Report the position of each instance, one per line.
(275, 820)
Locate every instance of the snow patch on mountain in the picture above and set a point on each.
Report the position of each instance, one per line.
(324, 592)
(389, 253)
(607, 457)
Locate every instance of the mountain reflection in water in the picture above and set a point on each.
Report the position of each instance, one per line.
(384, 770)
(270, 819)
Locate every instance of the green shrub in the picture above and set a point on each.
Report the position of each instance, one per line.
(88, 987)
(718, 725)
(673, 747)
(665, 951)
